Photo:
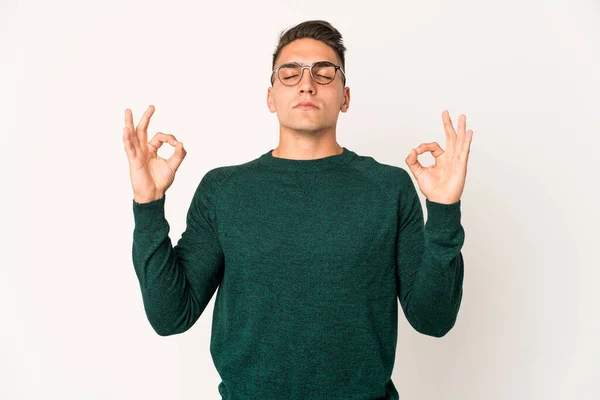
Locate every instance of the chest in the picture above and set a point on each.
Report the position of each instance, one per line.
(334, 236)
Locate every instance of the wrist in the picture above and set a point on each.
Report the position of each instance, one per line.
(142, 199)
(443, 200)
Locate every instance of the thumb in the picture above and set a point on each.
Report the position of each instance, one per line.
(413, 163)
(178, 156)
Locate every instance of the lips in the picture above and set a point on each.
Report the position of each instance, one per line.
(306, 104)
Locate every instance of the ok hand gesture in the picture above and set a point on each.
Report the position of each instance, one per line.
(150, 174)
(444, 181)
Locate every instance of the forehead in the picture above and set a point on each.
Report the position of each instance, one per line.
(306, 51)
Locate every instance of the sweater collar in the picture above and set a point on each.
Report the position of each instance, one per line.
(318, 164)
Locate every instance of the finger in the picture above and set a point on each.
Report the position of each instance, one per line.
(129, 125)
(161, 138)
(462, 127)
(435, 149)
(448, 129)
(142, 129)
(175, 160)
(413, 163)
(129, 149)
(466, 146)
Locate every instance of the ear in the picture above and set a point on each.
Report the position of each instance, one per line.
(346, 103)
(270, 101)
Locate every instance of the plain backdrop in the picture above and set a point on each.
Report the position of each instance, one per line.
(525, 73)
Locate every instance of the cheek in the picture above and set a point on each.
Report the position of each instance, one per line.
(334, 104)
(335, 101)
(282, 102)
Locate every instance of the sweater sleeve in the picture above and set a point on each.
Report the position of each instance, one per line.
(430, 264)
(177, 282)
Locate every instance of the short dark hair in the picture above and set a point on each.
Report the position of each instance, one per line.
(315, 29)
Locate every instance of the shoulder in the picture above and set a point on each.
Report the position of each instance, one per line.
(218, 179)
(390, 177)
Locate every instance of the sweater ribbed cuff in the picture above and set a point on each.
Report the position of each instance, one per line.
(149, 216)
(442, 217)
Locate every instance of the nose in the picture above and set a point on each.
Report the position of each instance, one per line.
(307, 84)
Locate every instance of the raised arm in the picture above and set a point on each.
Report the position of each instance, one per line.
(176, 282)
(430, 264)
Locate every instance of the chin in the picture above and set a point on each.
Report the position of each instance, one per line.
(308, 129)
(304, 125)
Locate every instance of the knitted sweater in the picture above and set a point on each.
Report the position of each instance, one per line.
(310, 259)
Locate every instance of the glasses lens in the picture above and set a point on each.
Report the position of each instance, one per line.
(289, 74)
(323, 72)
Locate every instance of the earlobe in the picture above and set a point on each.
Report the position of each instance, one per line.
(345, 105)
(346, 102)
(347, 99)
(270, 101)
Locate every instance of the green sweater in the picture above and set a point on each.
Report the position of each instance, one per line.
(310, 258)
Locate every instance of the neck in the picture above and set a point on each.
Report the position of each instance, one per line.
(300, 146)
(294, 152)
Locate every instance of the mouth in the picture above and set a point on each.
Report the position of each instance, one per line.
(306, 105)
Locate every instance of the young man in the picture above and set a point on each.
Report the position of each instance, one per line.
(311, 245)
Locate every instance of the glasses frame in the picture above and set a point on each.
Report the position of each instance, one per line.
(309, 67)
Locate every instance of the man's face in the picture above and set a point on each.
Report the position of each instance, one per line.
(330, 99)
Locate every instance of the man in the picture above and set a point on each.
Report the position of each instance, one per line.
(310, 244)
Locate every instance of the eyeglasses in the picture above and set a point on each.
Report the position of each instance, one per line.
(322, 72)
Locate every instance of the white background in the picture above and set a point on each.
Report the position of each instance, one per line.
(525, 73)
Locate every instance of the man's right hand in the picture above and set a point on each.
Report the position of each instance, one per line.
(150, 174)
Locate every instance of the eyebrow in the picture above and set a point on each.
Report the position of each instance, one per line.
(292, 63)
